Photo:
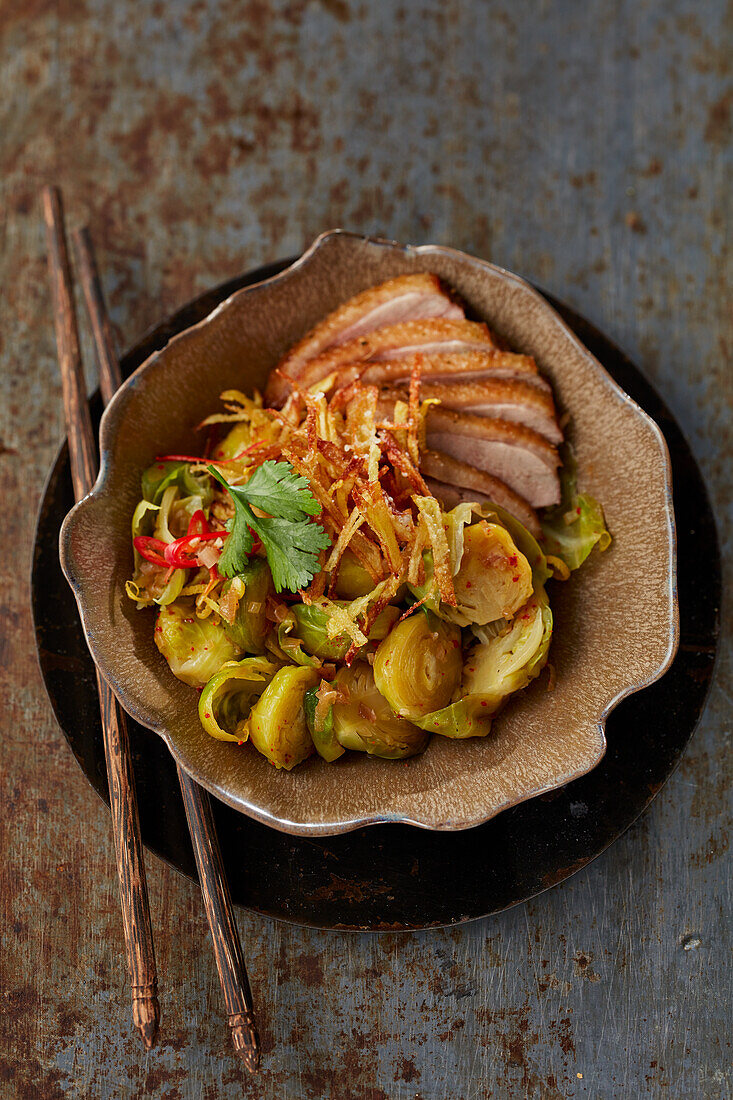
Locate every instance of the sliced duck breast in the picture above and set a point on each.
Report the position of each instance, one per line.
(502, 399)
(407, 297)
(522, 458)
(436, 335)
(518, 456)
(453, 482)
(463, 366)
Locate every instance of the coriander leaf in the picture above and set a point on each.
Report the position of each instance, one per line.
(292, 550)
(290, 539)
(276, 488)
(238, 543)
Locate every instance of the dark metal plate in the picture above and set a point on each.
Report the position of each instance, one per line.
(394, 877)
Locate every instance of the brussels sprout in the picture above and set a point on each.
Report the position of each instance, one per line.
(384, 623)
(249, 628)
(162, 525)
(523, 539)
(353, 580)
(366, 723)
(182, 512)
(515, 656)
(148, 584)
(172, 590)
(321, 730)
(226, 701)
(234, 442)
(494, 578)
(495, 670)
(572, 534)
(142, 523)
(312, 626)
(291, 645)
(418, 665)
(194, 648)
(576, 525)
(311, 629)
(465, 718)
(161, 475)
(277, 726)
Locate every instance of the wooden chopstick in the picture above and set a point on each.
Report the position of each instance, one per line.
(209, 863)
(220, 915)
(123, 800)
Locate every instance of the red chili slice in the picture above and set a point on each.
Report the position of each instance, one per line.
(153, 550)
(181, 554)
(198, 524)
(252, 447)
(181, 458)
(199, 461)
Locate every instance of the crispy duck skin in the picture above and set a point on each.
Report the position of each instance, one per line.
(458, 367)
(463, 366)
(433, 336)
(453, 482)
(407, 297)
(502, 399)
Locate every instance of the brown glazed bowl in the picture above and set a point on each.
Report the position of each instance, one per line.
(616, 620)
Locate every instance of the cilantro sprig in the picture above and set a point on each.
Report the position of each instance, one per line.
(289, 536)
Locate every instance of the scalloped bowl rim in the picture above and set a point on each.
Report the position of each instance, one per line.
(100, 489)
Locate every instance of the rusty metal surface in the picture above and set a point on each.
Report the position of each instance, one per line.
(584, 145)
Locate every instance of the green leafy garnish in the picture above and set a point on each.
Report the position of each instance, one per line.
(290, 538)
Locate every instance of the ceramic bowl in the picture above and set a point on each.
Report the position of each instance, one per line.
(616, 620)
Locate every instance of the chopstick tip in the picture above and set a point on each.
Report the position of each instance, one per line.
(245, 1040)
(146, 1014)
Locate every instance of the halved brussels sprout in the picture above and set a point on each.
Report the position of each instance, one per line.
(495, 669)
(250, 625)
(161, 475)
(226, 701)
(523, 539)
(385, 622)
(195, 649)
(470, 549)
(292, 646)
(353, 579)
(312, 630)
(418, 665)
(234, 442)
(366, 723)
(277, 725)
(321, 729)
(494, 578)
